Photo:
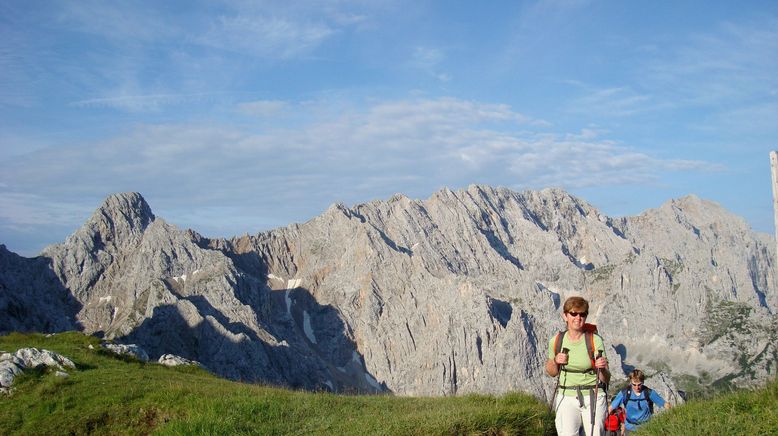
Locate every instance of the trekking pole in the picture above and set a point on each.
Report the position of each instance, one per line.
(593, 407)
(558, 376)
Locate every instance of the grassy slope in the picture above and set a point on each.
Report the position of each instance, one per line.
(109, 395)
(744, 412)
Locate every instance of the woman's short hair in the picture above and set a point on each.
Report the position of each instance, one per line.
(578, 304)
(637, 374)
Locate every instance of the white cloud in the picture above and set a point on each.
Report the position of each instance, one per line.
(731, 68)
(22, 210)
(612, 102)
(724, 79)
(118, 21)
(140, 103)
(284, 30)
(428, 60)
(411, 146)
(275, 37)
(139, 58)
(537, 26)
(193, 175)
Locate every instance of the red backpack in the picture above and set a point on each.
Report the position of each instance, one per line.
(614, 420)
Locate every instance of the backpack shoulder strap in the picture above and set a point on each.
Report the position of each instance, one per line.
(647, 390)
(590, 348)
(558, 341)
(625, 396)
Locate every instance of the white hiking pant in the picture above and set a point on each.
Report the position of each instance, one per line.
(570, 416)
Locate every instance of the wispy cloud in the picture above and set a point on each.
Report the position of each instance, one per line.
(411, 146)
(274, 37)
(262, 108)
(537, 26)
(612, 102)
(428, 60)
(122, 22)
(730, 72)
(553, 161)
(141, 103)
(721, 80)
(281, 30)
(140, 58)
(21, 211)
(737, 61)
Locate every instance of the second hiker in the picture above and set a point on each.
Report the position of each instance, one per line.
(638, 401)
(573, 357)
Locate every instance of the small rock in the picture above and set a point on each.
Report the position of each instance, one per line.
(173, 360)
(12, 365)
(9, 369)
(33, 357)
(127, 349)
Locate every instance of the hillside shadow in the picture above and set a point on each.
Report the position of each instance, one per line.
(32, 297)
(318, 331)
(205, 309)
(308, 347)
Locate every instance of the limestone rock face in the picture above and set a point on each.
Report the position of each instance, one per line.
(458, 293)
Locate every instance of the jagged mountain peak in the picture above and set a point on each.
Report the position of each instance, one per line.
(131, 206)
(121, 216)
(691, 204)
(695, 212)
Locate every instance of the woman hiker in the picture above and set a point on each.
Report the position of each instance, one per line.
(577, 357)
(638, 401)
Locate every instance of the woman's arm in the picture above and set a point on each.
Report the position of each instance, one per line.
(617, 401)
(552, 368)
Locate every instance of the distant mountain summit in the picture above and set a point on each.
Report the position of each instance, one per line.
(454, 294)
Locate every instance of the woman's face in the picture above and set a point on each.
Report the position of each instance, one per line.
(637, 385)
(575, 319)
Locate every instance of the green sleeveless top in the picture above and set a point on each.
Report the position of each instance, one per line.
(578, 360)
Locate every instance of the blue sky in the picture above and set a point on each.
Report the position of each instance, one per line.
(234, 117)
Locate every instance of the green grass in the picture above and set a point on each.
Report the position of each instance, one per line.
(752, 412)
(110, 395)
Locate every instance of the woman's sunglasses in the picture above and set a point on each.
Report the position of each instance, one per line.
(581, 314)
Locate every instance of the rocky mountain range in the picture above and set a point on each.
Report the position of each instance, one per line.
(458, 293)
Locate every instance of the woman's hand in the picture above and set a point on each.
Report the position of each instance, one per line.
(601, 363)
(561, 359)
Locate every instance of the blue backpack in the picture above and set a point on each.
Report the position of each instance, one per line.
(627, 397)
